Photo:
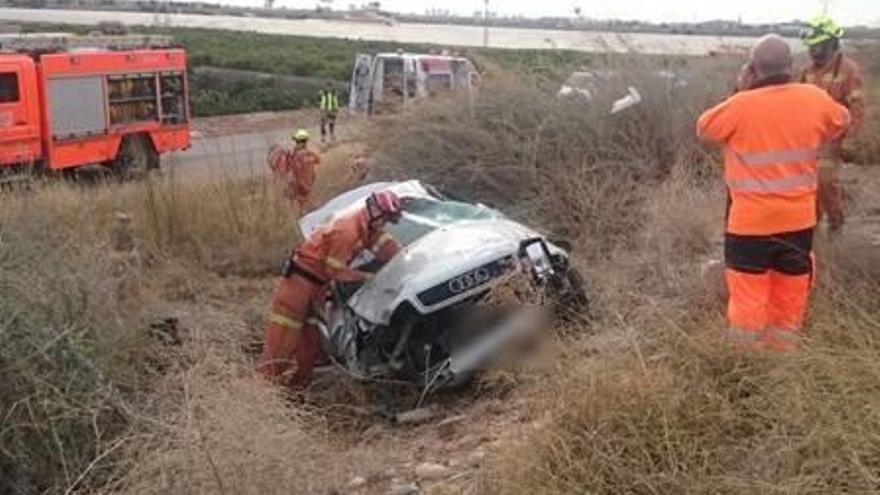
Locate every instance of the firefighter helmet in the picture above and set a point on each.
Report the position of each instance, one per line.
(385, 205)
(821, 29)
(301, 135)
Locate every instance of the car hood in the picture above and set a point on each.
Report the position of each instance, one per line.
(430, 258)
(434, 259)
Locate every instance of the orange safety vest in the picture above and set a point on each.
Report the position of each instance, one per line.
(772, 139)
(329, 250)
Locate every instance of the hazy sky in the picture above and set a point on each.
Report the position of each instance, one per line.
(848, 11)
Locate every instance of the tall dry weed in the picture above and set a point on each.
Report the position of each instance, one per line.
(79, 359)
(564, 163)
(228, 226)
(646, 402)
(71, 340)
(212, 426)
(863, 147)
(653, 402)
(677, 412)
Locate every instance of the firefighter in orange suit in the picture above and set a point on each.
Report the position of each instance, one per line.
(291, 337)
(841, 78)
(772, 135)
(296, 170)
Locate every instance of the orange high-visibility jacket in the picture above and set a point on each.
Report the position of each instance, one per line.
(772, 139)
(328, 252)
(302, 164)
(296, 168)
(842, 79)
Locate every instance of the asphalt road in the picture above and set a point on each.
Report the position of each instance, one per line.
(235, 146)
(233, 156)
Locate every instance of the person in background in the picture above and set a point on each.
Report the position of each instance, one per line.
(329, 106)
(772, 135)
(841, 77)
(295, 169)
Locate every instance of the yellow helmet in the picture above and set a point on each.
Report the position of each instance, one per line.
(821, 29)
(301, 135)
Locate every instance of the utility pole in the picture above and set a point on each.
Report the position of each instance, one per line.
(486, 23)
(826, 6)
(162, 15)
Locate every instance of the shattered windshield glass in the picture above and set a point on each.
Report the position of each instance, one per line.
(423, 215)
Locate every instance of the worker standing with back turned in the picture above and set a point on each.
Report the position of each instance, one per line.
(329, 105)
(772, 135)
(841, 78)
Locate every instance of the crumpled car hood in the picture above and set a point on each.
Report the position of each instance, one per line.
(435, 259)
(449, 251)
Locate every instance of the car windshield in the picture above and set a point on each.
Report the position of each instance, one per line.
(423, 215)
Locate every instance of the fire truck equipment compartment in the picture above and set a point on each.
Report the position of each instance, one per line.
(77, 106)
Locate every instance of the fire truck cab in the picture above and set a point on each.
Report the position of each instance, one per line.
(67, 102)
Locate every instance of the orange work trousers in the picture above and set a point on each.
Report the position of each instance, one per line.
(769, 280)
(303, 198)
(292, 340)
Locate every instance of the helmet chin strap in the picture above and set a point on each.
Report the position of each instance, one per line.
(373, 215)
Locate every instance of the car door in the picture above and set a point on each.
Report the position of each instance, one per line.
(361, 80)
(19, 111)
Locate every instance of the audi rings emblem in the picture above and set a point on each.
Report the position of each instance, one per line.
(469, 280)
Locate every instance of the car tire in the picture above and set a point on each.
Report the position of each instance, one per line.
(572, 296)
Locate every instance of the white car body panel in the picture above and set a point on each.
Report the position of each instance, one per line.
(439, 256)
(434, 259)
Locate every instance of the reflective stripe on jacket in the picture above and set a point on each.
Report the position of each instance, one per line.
(772, 139)
(329, 101)
(329, 251)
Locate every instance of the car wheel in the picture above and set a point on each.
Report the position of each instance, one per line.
(572, 299)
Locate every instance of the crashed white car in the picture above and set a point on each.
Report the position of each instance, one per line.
(451, 299)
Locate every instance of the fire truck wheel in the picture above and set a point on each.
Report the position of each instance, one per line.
(135, 158)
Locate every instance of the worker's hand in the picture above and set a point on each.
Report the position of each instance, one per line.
(745, 79)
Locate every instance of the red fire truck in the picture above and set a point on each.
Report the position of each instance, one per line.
(66, 102)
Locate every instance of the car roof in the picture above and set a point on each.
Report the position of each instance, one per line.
(354, 198)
